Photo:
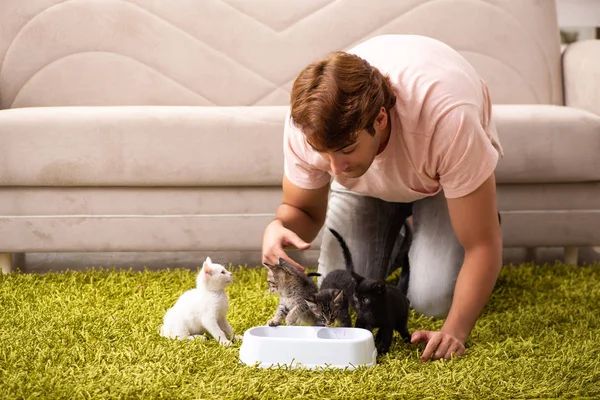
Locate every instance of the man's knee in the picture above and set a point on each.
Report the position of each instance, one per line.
(436, 257)
(431, 300)
(432, 276)
(431, 287)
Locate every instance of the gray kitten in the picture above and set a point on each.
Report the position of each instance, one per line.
(377, 304)
(293, 287)
(335, 295)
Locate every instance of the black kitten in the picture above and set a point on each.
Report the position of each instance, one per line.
(377, 305)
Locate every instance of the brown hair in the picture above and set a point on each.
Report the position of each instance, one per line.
(334, 98)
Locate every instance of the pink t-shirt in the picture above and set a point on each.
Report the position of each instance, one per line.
(442, 137)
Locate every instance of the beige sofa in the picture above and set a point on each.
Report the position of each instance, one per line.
(139, 125)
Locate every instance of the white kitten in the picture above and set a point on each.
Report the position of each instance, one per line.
(203, 309)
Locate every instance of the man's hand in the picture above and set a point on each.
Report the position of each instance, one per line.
(297, 221)
(439, 345)
(275, 239)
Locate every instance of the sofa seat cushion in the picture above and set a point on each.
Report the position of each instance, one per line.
(547, 144)
(142, 146)
(242, 146)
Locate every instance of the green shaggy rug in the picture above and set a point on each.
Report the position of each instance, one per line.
(93, 334)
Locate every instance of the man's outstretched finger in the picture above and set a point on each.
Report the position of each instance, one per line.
(420, 336)
(268, 261)
(431, 347)
(272, 256)
(454, 351)
(294, 240)
(442, 349)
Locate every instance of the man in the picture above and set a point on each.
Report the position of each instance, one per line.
(403, 124)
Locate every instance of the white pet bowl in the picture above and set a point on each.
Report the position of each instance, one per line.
(308, 347)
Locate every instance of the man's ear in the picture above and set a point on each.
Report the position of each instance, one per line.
(382, 119)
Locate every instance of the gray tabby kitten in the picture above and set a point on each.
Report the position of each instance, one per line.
(335, 295)
(293, 287)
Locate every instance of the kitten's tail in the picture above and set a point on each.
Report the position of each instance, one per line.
(403, 258)
(345, 250)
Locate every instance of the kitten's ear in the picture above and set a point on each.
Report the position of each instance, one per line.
(357, 278)
(339, 297)
(285, 264)
(206, 267)
(287, 267)
(311, 302)
(379, 287)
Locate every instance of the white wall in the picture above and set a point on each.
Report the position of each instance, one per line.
(578, 13)
(582, 16)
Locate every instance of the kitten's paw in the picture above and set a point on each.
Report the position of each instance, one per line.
(382, 350)
(273, 322)
(225, 343)
(237, 337)
(193, 337)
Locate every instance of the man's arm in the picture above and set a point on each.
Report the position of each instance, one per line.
(297, 221)
(475, 221)
(303, 210)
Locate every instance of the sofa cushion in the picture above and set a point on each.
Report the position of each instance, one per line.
(142, 146)
(544, 143)
(134, 146)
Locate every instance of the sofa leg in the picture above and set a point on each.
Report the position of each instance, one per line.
(571, 255)
(6, 263)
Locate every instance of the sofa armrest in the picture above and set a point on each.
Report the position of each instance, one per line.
(581, 74)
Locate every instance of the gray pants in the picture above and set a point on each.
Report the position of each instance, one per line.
(372, 229)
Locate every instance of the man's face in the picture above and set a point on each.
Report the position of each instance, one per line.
(355, 158)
